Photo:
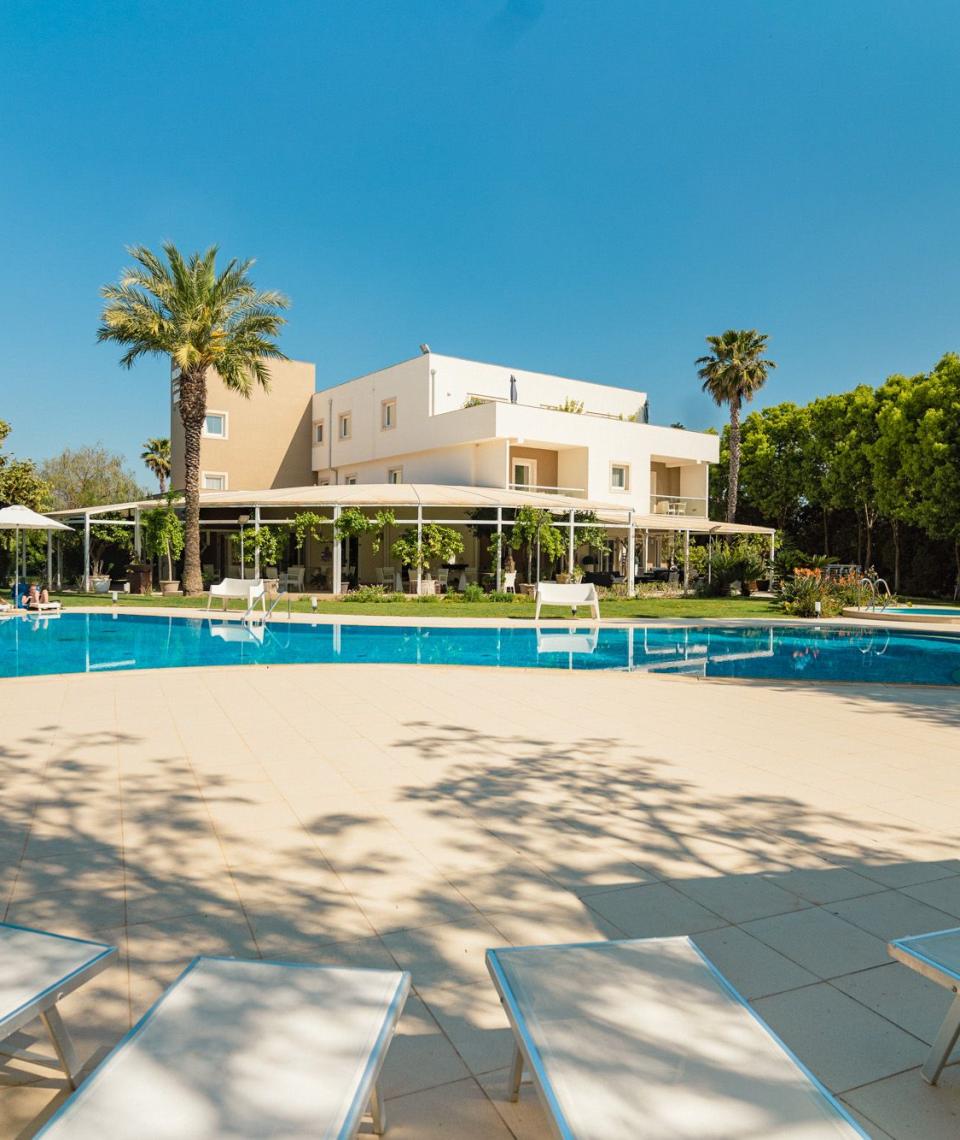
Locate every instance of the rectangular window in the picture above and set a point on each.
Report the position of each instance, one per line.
(395, 475)
(214, 481)
(524, 473)
(619, 477)
(350, 481)
(388, 414)
(215, 425)
(318, 432)
(345, 425)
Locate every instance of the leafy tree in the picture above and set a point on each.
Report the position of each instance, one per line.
(438, 544)
(182, 308)
(734, 371)
(773, 462)
(20, 481)
(163, 534)
(90, 476)
(534, 531)
(893, 474)
(107, 536)
(306, 524)
(156, 457)
(269, 541)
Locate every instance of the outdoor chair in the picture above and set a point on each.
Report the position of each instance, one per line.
(936, 956)
(510, 582)
(246, 1049)
(572, 594)
(37, 969)
(443, 579)
(647, 1038)
(251, 590)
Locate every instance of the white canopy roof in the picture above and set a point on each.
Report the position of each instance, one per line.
(387, 495)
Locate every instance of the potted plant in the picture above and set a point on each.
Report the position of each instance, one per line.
(103, 537)
(163, 538)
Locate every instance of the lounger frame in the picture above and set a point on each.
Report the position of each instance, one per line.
(526, 1055)
(44, 1006)
(367, 1095)
(909, 951)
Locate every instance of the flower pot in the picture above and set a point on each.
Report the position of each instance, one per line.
(170, 587)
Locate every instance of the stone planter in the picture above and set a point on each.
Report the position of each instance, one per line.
(172, 587)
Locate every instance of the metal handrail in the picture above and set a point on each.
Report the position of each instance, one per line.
(881, 601)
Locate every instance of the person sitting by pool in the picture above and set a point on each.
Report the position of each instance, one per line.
(35, 596)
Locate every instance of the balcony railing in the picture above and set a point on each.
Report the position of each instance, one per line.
(474, 399)
(543, 489)
(678, 505)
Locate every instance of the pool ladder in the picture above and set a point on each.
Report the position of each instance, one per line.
(252, 616)
(880, 599)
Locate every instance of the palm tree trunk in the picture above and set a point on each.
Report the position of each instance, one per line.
(163, 484)
(193, 409)
(733, 483)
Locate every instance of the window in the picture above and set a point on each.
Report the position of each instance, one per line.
(214, 481)
(318, 432)
(619, 477)
(215, 425)
(345, 425)
(388, 415)
(395, 475)
(524, 473)
(350, 480)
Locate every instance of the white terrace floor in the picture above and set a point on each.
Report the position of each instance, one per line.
(391, 815)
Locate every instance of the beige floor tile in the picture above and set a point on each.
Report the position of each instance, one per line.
(840, 1041)
(943, 894)
(892, 915)
(826, 884)
(653, 911)
(740, 898)
(448, 954)
(820, 942)
(907, 1108)
(902, 996)
(751, 967)
(525, 1118)
(474, 1021)
(460, 1110)
(420, 1056)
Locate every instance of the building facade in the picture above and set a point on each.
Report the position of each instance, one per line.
(442, 420)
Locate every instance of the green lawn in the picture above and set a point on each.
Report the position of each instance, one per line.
(449, 606)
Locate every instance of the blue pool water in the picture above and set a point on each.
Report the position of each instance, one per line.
(79, 643)
(950, 612)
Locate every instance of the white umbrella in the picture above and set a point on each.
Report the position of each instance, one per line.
(18, 518)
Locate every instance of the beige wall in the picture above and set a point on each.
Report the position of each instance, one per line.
(268, 435)
(546, 462)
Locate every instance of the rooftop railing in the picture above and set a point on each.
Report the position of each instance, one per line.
(544, 489)
(474, 399)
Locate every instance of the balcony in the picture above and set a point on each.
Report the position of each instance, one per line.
(678, 505)
(543, 489)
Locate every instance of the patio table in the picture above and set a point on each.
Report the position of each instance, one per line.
(936, 956)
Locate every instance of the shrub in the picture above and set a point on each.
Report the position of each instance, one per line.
(374, 594)
(800, 593)
(504, 596)
(473, 593)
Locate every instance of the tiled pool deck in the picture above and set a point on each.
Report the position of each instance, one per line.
(385, 815)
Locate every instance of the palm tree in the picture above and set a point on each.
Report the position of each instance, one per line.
(184, 309)
(734, 371)
(156, 457)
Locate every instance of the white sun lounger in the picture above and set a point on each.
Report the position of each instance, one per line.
(646, 1039)
(245, 1050)
(43, 607)
(936, 956)
(37, 970)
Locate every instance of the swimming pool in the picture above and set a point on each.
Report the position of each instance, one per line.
(951, 612)
(103, 642)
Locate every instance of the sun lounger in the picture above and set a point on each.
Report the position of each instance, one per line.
(646, 1039)
(246, 1050)
(37, 970)
(936, 956)
(44, 607)
(572, 594)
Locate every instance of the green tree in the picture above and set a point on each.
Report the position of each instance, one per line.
(201, 319)
(90, 476)
(20, 481)
(734, 371)
(438, 544)
(163, 534)
(893, 468)
(353, 523)
(156, 457)
(773, 462)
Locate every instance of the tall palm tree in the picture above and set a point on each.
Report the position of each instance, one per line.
(156, 457)
(734, 371)
(184, 309)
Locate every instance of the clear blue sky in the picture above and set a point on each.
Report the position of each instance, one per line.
(585, 188)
